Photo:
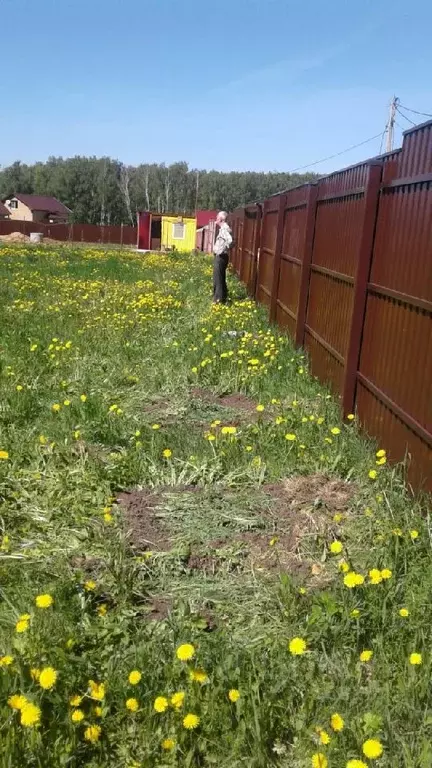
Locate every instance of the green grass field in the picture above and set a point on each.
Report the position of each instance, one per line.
(267, 580)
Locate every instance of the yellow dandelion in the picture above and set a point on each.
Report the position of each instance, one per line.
(404, 612)
(380, 454)
(356, 764)
(4, 455)
(92, 733)
(30, 715)
(97, 690)
(353, 579)
(47, 678)
(414, 535)
(132, 705)
(337, 722)
(351, 417)
(375, 576)
(160, 704)
(260, 408)
(366, 656)
(167, 453)
(89, 585)
(198, 676)
(77, 716)
(319, 760)
(17, 701)
(168, 744)
(44, 601)
(185, 652)
(21, 626)
(177, 699)
(336, 547)
(355, 613)
(373, 474)
(324, 737)
(6, 661)
(415, 659)
(291, 437)
(386, 573)
(335, 431)
(297, 646)
(134, 677)
(234, 695)
(372, 749)
(191, 721)
(83, 398)
(75, 701)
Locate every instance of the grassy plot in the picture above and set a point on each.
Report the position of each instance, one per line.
(200, 564)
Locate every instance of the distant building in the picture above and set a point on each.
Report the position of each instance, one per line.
(37, 208)
(4, 212)
(162, 231)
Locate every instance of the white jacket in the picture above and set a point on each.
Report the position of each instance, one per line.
(223, 241)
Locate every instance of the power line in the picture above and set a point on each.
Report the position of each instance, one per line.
(405, 117)
(338, 154)
(415, 112)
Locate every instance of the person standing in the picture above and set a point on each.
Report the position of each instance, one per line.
(223, 243)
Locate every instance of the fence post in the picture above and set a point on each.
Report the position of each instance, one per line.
(277, 257)
(372, 193)
(311, 204)
(256, 251)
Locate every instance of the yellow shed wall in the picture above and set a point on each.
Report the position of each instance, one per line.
(188, 243)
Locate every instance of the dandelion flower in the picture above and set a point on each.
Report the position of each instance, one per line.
(415, 659)
(4, 455)
(77, 716)
(177, 699)
(97, 690)
(191, 721)
(198, 676)
(324, 737)
(335, 431)
(30, 715)
(132, 705)
(380, 454)
(366, 656)
(185, 652)
(386, 574)
(404, 612)
(414, 535)
(92, 733)
(160, 704)
(355, 613)
(83, 398)
(98, 711)
(90, 585)
(234, 695)
(375, 576)
(44, 601)
(356, 764)
(373, 474)
(297, 646)
(56, 407)
(353, 579)
(17, 701)
(260, 408)
(6, 661)
(134, 677)
(167, 453)
(47, 678)
(319, 760)
(337, 722)
(372, 749)
(350, 417)
(75, 701)
(168, 744)
(21, 626)
(291, 437)
(229, 430)
(336, 547)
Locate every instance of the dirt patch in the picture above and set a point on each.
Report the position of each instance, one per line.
(310, 492)
(207, 564)
(235, 402)
(159, 609)
(146, 530)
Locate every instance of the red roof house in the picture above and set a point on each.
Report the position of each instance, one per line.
(41, 208)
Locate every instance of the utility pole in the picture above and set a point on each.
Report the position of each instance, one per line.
(391, 124)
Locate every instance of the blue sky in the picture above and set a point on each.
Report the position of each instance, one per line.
(234, 84)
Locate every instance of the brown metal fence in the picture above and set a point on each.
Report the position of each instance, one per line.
(345, 265)
(74, 233)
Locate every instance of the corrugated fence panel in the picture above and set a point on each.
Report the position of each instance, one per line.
(248, 258)
(267, 250)
(395, 371)
(338, 228)
(416, 157)
(293, 241)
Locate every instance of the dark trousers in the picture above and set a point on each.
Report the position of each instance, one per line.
(220, 288)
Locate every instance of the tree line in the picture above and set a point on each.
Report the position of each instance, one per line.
(106, 191)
